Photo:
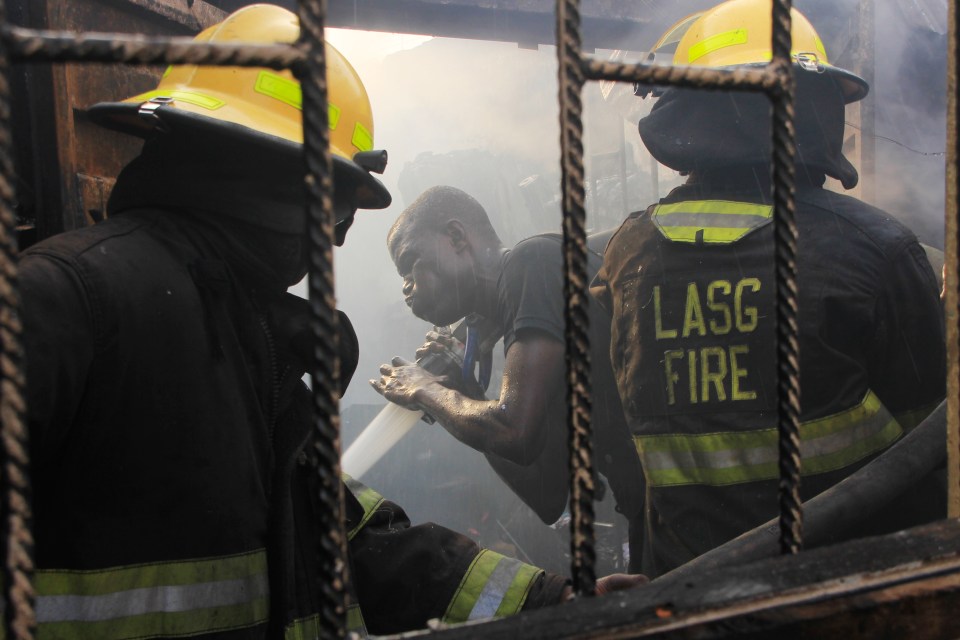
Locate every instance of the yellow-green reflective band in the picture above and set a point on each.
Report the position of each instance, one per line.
(826, 444)
(710, 221)
(279, 88)
(309, 628)
(719, 41)
(369, 499)
(355, 621)
(333, 116)
(362, 138)
(190, 97)
(154, 600)
(820, 49)
(494, 586)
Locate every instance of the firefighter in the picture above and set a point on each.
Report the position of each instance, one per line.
(690, 284)
(174, 488)
(454, 266)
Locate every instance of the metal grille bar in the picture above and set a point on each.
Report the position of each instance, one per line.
(577, 323)
(26, 45)
(325, 373)
(19, 619)
(952, 282)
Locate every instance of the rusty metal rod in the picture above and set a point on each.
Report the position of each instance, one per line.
(759, 79)
(325, 365)
(785, 263)
(575, 283)
(28, 45)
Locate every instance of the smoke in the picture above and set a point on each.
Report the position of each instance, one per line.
(483, 116)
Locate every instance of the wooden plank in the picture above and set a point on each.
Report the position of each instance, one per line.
(56, 143)
(901, 585)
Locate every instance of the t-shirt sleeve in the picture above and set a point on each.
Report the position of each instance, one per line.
(531, 290)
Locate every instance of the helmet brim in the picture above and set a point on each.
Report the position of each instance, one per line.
(852, 87)
(369, 192)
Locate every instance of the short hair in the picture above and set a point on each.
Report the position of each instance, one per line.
(438, 205)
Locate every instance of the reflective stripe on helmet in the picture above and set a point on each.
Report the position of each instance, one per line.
(493, 586)
(154, 600)
(279, 88)
(740, 36)
(362, 138)
(710, 221)
(715, 42)
(368, 499)
(827, 444)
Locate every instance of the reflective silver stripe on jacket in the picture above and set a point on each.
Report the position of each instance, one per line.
(164, 599)
(733, 457)
(710, 221)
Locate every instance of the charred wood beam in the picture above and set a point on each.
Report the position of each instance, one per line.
(903, 585)
(606, 24)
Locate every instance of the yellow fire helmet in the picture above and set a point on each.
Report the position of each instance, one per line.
(739, 32)
(261, 103)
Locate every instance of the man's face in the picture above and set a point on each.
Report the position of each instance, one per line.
(438, 282)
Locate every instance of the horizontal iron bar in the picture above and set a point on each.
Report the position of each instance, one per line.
(764, 79)
(30, 45)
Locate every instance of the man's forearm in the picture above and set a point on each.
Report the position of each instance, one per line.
(479, 424)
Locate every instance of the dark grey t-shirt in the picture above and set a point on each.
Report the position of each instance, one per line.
(530, 289)
(530, 297)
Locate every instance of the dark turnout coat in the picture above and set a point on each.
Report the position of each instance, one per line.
(173, 494)
(690, 283)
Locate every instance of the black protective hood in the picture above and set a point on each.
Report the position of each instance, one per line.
(693, 130)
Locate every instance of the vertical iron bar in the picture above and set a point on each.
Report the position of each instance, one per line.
(866, 56)
(19, 619)
(575, 293)
(951, 281)
(324, 373)
(785, 261)
(624, 196)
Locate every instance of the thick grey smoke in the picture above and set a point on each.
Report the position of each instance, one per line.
(482, 116)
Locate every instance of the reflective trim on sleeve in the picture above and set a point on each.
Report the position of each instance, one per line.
(309, 628)
(369, 499)
(154, 600)
(710, 221)
(826, 444)
(493, 586)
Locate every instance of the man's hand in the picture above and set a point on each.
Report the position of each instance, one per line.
(437, 342)
(620, 582)
(400, 381)
(612, 582)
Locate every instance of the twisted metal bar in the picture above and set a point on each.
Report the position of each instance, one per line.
(785, 261)
(743, 79)
(575, 292)
(324, 373)
(55, 46)
(952, 248)
(19, 618)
